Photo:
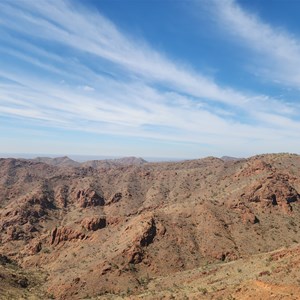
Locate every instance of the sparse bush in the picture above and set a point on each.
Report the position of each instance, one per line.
(132, 267)
(203, 291)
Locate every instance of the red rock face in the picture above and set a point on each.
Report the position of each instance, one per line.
(94, 223)
(61, 196)
(276, 190)
(257, 166)
(89, 198)
(246, 213)
(63, 234)
(21, 222)
(34, 247)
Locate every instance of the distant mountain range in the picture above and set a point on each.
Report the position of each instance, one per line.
(230, 158)
(104, 163)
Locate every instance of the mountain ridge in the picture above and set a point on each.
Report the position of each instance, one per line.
(65, 161)
(119, 223)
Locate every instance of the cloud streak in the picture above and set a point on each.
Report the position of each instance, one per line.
(278, 49)
(71, 68)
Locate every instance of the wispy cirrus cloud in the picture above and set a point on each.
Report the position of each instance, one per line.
(92, 33)
(278, 51)
(57, 21)
(73, 69)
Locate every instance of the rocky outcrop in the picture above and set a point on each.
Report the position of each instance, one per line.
(15, 233)
(43, 201)
(61, 196)
(89, 198)
(30, 209)
(224, 256)
(104, 267)
(143, 232)
(4, 260)
(22, 222)
(34, 247)
(148, 234)
(94, 223)
(255, 166)
(62, 234)
(135, 254)
(276, 190)
(247, 215)
(116, 198)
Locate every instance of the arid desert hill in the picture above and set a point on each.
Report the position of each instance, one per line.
(150, 230)
(65, 161)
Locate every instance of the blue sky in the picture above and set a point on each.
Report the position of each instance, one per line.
(149, 78)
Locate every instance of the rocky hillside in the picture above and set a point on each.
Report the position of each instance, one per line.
(114, 231)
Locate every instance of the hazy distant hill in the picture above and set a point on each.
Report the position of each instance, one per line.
(108, 163)
(230, 158)
(58, 161)
(105, 163)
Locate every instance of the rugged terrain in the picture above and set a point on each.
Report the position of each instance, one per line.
(201, 229)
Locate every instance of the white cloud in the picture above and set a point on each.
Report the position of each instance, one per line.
(88, 88)
(92, 33)
(65, 108)
(278, 50)
(71, 95)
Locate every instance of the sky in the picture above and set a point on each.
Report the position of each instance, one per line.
(150, 78)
